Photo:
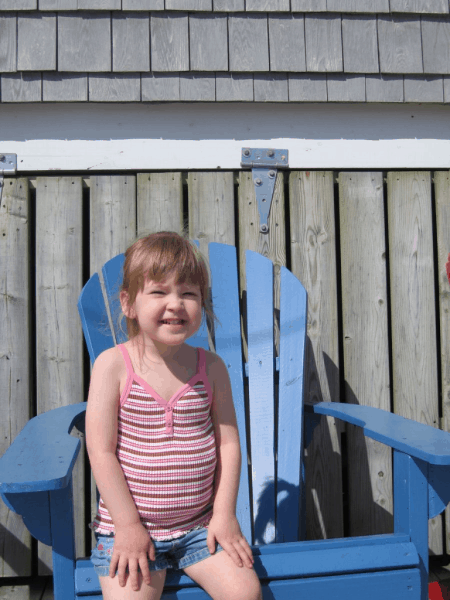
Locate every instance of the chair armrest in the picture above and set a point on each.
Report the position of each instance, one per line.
(42, 456)
(415, 439)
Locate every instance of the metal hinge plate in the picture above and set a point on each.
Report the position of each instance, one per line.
(8, 164)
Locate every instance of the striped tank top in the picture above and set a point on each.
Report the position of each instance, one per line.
(167, 452)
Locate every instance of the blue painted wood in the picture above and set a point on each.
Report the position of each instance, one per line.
(112, 278)
(225, 296)
(293, 313)
(438, 489)
(259, 278)
(94, 318)
(34, 508)
(63, 542)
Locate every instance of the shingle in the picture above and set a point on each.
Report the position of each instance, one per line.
(21, 87)
(307, 88)
(358, 6)
(131, 42)
(400, 45)
(208, 42)
(58, 4)
(248, 42)
(84, 42)
(198, 87)
(384, 88)
(360, 45)
(424, 89)
(8, 39)
(234, 87)
(287, 43)
(18, 4)
(189, 4)
(142, 4)
(446, 89)
(346, 88)
(228, 5)
(115, 88)
(419, 6)
(436, 45)
(169, 42)
(271, 87)
(99, 4)
(160, 87)
(323, 43)
(59, 87)
(36, 42)
(267, 5)
(308, 5)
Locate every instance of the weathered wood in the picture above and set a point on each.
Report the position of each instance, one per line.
(360, 45)
(208, 42)
(59, 344)
(271, 88)
(366, 345)
(309, 5)
(189, 4)
(346, 88)
(159, 202)
(8, 43)
(267, 5)
(424, 89)
(436, 45)
(198, 87)
(21, 87)
(115, 88)
(59, 87)
(442, 195)
(400, 45)
(411, 266)
(99, 4)
(419, 6)
(36, 42)
(32, 591)
(234, 86)
(323, 43)
(287, 42)
(308, 88)
(15, 356)
(228, 5)
(360, 6)
(131, 42)
(211, 208)
(160, 87)
(142, 4)
(169, 42)
(58, 4)
(384, 88)
(84, 42)
(249, 42)
(18, 4)
(313, 261)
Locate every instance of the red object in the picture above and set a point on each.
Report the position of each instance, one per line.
(437, 592)
(447, 265)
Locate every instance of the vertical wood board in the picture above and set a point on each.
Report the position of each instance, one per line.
(159, 202)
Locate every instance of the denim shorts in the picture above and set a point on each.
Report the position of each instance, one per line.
(179, 553)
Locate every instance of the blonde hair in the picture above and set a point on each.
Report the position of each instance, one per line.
(157, 256)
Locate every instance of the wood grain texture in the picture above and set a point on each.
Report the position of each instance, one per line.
(442, 195)
(131, 42)
(384, 88)
(84, 42)
(346, 88)
(189, 4)
(359, 6)
(159, 202)
(57, 87)
(59, 344)
(424, 89)
(419, 6)
(323, 43)
(287, 42)
(309, 5)
(248, 42)
(159, 87)
(58, 4)
(36, 42)
(208, 42)
(436, 45)
(360, 45)
(21, 87)
(234, 87)
(18, 4)
(197, 87)
(99, 4)
(400, 45)
(366, 345)
(308, 88)
(142, 4)
(8, 43)
(228, 5)
(115, 88)
(313, 261)
(413, 318)
(169, 42)
(15, 356)
(271, 87)
(267, 5)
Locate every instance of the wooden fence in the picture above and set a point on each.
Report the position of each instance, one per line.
(370, 248)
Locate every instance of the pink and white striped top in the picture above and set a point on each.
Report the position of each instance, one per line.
(167, 452)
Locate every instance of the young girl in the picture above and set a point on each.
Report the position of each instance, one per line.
(162, 438)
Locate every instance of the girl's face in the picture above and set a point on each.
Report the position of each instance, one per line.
(167, 312)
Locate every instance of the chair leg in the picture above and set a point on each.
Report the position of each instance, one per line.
(63, 543)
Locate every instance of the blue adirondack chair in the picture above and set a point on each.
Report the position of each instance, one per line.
(36, 471)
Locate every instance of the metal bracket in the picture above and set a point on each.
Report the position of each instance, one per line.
(264, 163)
(8, 166)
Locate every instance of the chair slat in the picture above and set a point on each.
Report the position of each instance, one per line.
(293, 314)
(112, 278)
(225, 295)
(259, 272)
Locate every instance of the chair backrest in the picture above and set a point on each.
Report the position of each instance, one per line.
(267, 390)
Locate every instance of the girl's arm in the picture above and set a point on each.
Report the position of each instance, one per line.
(224, 527)
(132, 544)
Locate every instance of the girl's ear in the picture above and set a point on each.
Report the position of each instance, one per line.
(127, 310)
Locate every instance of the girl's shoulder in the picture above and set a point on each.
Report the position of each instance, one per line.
(215, 367)
(110, 362)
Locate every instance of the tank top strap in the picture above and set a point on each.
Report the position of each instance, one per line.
(201, 362)
(127, 359)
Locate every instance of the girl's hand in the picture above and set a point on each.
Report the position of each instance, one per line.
(132, 548)
(226, 531)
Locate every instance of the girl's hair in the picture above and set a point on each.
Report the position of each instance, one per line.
(157, 256)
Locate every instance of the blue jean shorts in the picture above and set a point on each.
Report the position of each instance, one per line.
(179, 553)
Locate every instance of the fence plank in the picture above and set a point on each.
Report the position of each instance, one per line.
(59, 342)
(15, 354)
(366, 345)
(313, 261)
(414, 354)
(442, 194)
(159, 202)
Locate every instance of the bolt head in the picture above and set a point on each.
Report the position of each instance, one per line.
(270, 153)
(2, 158)
(272, 174)
(264, 229)
(246, 152)
(258, 181)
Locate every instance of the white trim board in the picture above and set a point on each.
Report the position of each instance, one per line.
(117, 137)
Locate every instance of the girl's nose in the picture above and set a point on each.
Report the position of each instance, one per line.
(175, 301)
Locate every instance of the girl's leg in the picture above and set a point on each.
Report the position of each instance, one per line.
(222, 579)
(112, 591)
